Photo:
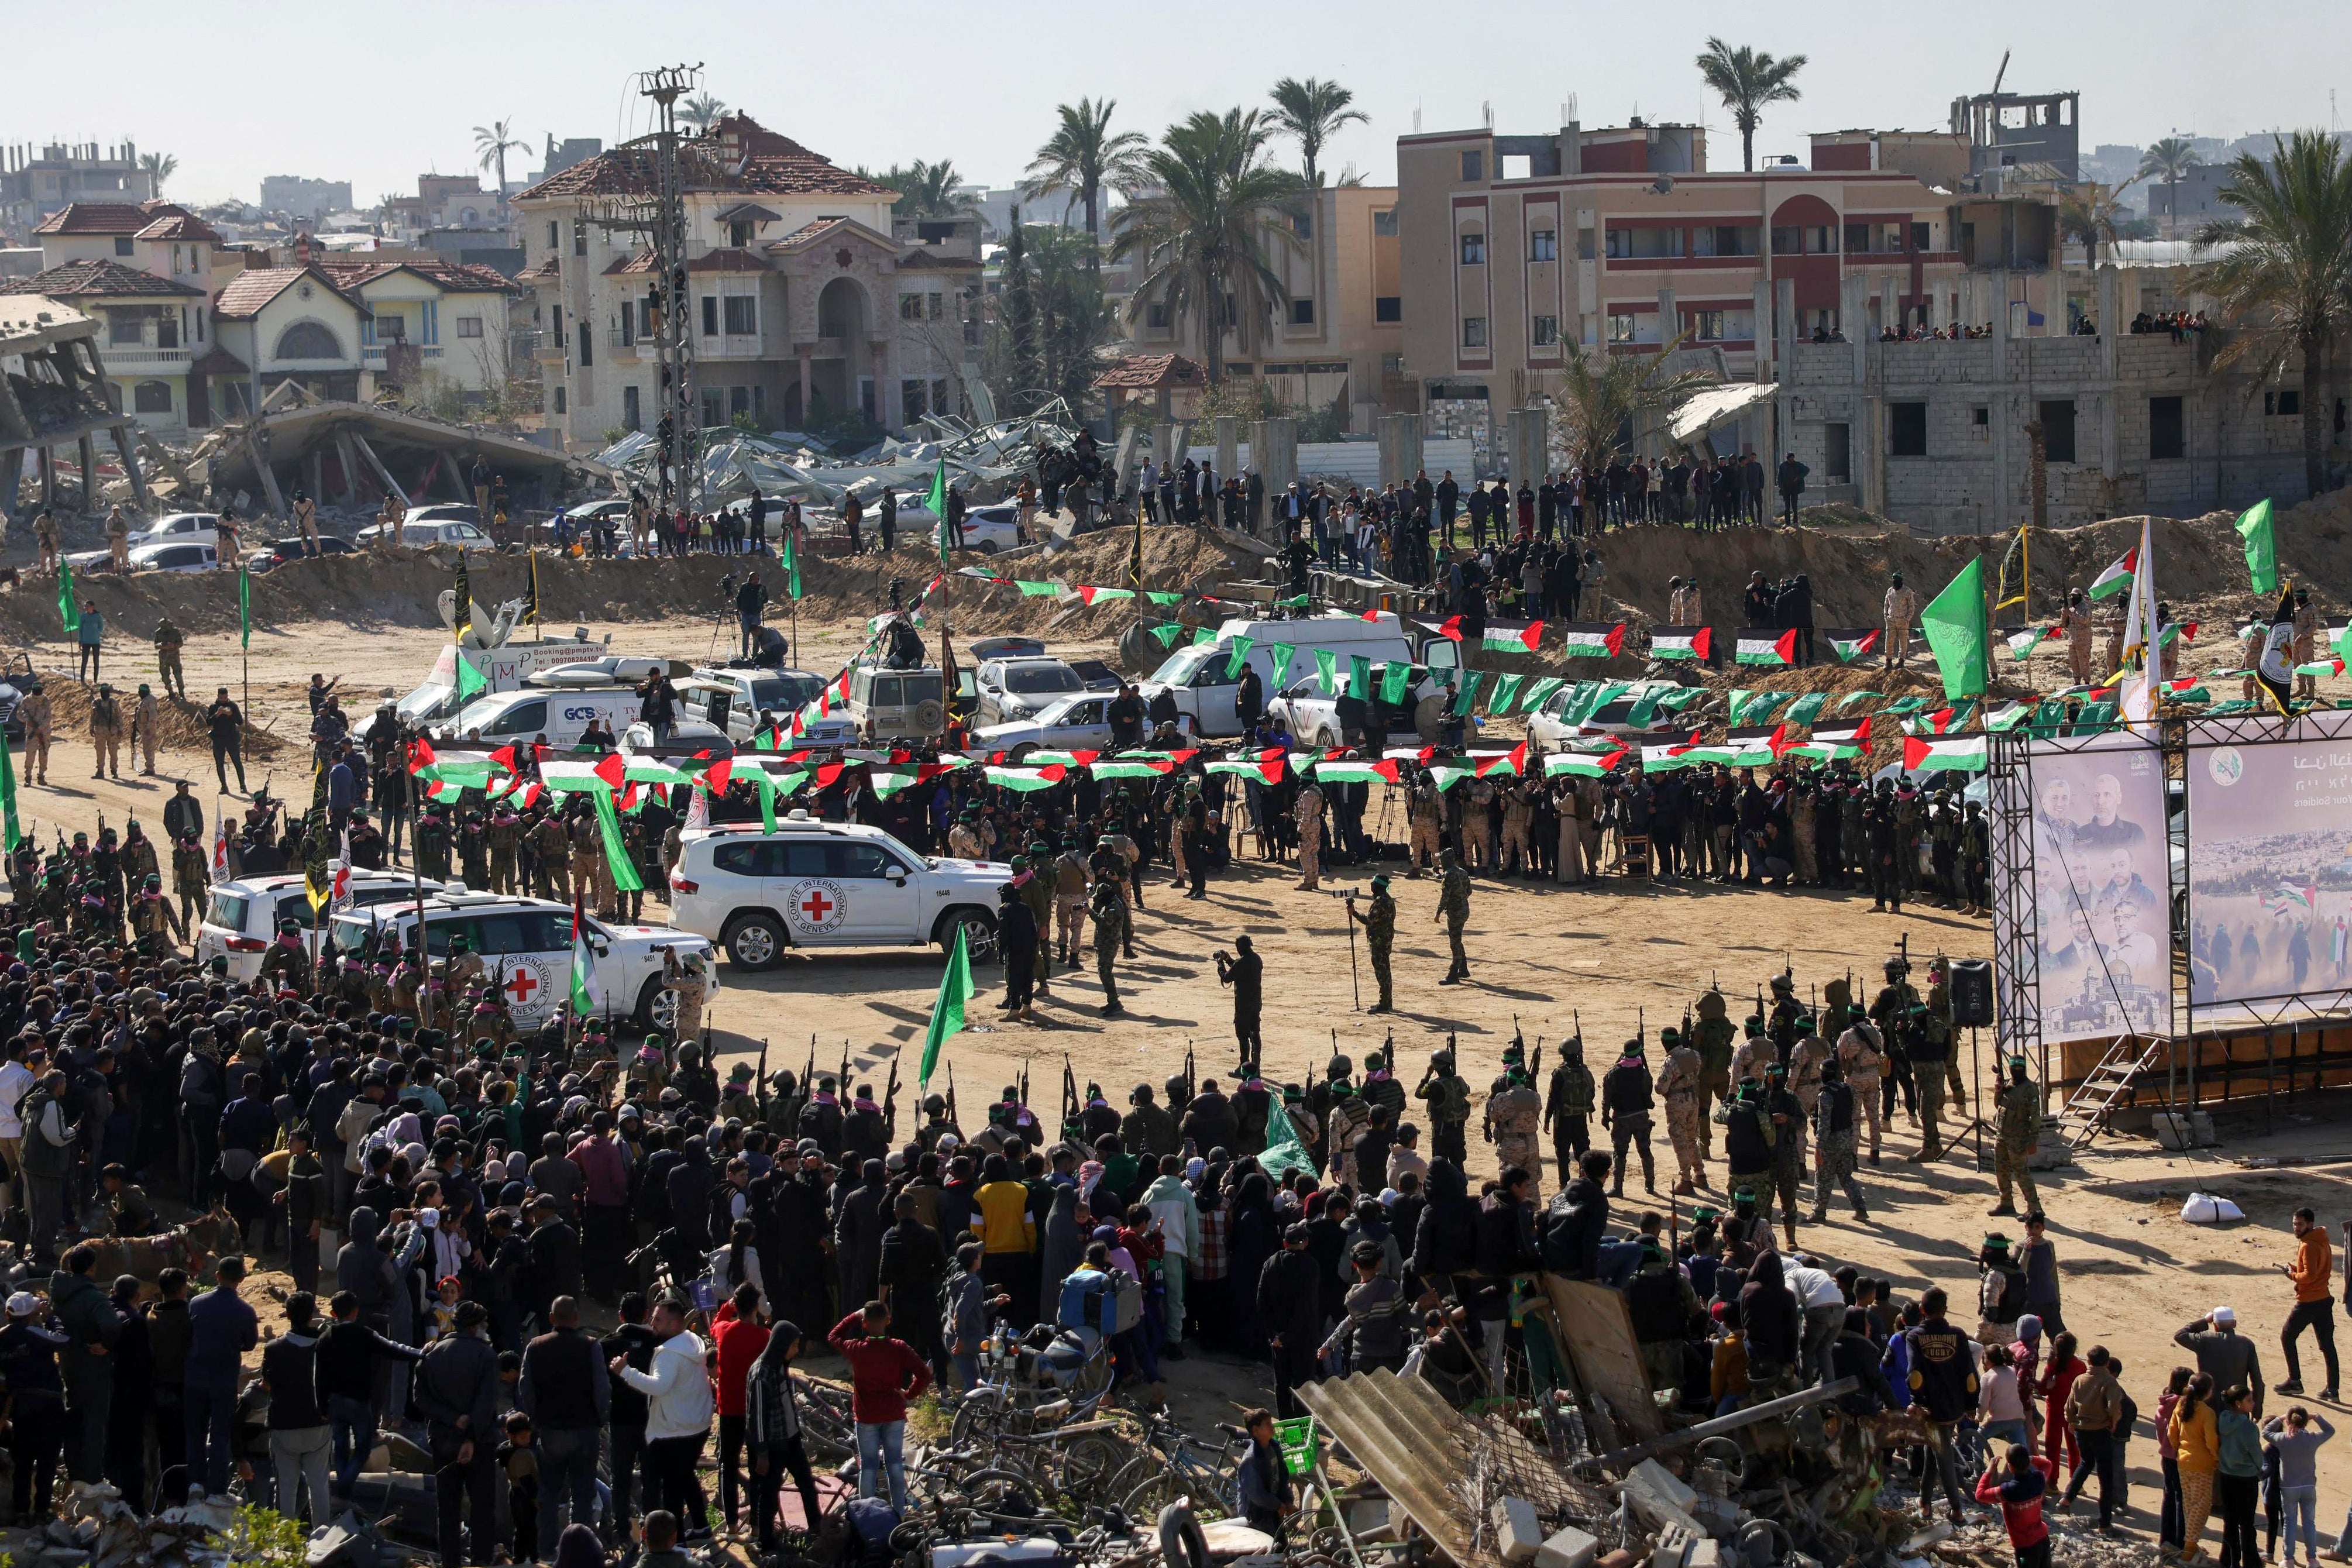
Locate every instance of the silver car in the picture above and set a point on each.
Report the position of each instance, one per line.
(1015, 688)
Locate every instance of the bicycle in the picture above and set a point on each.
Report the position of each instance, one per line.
(826, 1420)
(1179, 1465)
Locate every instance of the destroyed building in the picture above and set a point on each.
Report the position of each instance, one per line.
(805, 311)
(53, 402)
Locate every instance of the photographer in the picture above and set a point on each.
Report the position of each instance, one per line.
(750, 601)
(1245, 973)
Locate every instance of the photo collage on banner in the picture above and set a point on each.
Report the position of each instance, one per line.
(2270, 870)
(2099, 860)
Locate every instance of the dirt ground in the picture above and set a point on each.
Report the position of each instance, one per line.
(1542, 957)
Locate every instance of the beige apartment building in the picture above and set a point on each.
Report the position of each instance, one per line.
(1340, 335)
(1514, 247)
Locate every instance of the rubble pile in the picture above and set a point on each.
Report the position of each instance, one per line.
(984, 459)
(96, 1529)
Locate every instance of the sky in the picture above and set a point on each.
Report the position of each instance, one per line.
(378, 95)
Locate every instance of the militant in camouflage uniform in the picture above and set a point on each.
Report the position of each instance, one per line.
(1107, 904)
(1379, 921)
(1568, 1108)
(1453, 908)
(1514, 1118)
(1806, 1060)
(1887, 1010)
(1861, 1057)
(1834, 1145)
(2019, 1135)
(1681, 1085)
(1626, 1102)
(1447, 1094)
(1788, 1177)
(1712, 1037)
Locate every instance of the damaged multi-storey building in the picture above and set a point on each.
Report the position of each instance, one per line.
(1808, 284)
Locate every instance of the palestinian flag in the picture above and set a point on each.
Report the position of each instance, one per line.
(1767, 644)
(1139, 768)
(1046, 759)
(584, 968)
(2183, 631)
(1852, 643)
(2293, 901)
(1522, 639)
(1512, 762)
(1680, 642)
(2022, 644)
(1942, 722)
(1024, 779)
(1327, 771)
(1265, 770)
(1089, 595)
(1571, 764)
(2321, 669)
(420, 754)
(1036, 590)
(1967, 755)
(1665, 758)
(2117, 577)
(2008, 717)
(1850, 735)
(1821, 751)
(1583, 639)
(1757, 747)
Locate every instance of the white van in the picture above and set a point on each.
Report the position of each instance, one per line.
(560, 713)
(503, 668)
(898, 704)
(1205, 693)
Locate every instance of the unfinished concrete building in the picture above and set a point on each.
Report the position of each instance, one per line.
(1938, 434)
(53, 399)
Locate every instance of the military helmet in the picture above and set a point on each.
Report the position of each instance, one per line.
(1897, 967)
(1783, 982)
(935, 1105)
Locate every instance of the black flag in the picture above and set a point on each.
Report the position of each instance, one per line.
(2274, 668)
(462, 612)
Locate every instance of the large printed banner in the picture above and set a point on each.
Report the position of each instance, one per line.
(2269, 868)
(2100, 886)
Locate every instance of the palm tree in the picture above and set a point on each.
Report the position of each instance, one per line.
(2282, 271)
(1051, 319)
(2168, 161)
(926, 190)
(158, 167)
(1082, 157)
(2090, 214)
(494, 141)
(1313, 112)
(701, 111)
(1609, 401)
(1747, 80)
(1201, 238)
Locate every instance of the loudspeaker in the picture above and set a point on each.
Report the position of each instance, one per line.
(1973, 991)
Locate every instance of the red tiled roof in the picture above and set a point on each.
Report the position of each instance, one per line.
(641, 261)
(103, 279)
(253, 289)
(1150, 372)
(457, 277)
(180, 225)
(738, 155)
(726, 261)
(107, 217)
(808, 233)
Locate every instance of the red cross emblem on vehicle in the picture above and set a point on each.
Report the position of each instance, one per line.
(520, 984)
(816, 906)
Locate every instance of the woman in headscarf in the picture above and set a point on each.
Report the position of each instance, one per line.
(771, 1428)
(578, 1547)
(1064, 1248)
(1770, 1320)
(1251, 1237)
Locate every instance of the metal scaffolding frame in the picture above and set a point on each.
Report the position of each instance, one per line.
(2016, 933)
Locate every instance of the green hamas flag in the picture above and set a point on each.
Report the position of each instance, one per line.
(792, 565)
(938, 501)
(947, 1010)
(1394, 681)
(243, 607)
(1959, 634)
(1327, 670)
(1467, 698)
(67, 611)
(1507, 690)
(2261, 546)
(1284, 1153)
(1239, 657)
(1360, 676)
(1283, 653)
(616, 849)
(470, 678)
(1167, 632)
(8, 801)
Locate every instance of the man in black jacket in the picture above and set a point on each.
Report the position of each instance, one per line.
(457, 1390)
(568, 1394)
(348, 1354)
(635, 1344)
(1290, 1303)
(1579, 1220)
(914, 1263)
(1210, 1122)
(1446, 1241)
(298, 1427)
(1944, 1386)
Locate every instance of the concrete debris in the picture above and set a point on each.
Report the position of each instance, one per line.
(1518, 1538)
(1569, 1547)
(96, 1529)
(982, 459)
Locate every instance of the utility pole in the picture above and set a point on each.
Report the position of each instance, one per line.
(656, 210)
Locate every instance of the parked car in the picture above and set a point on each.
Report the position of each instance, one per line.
(813, 883)
(175, 558)
(278, 552)
(1313, 718)
(986, 528)
(430, 532)
(1549, 730)
(180, 527)
(980, 650)
(888, 704)
(1010, 688)
(1075, 724)
(243, 915)
(738, 695)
